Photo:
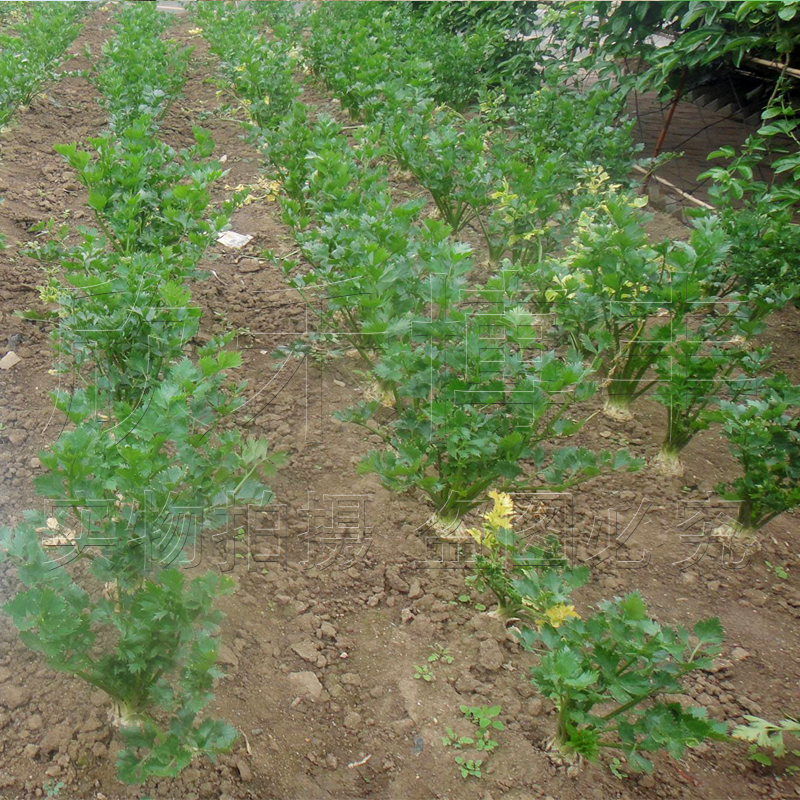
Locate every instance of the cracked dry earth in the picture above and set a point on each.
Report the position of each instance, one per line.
(320, 650)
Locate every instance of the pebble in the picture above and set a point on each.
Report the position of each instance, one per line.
(739, 654)
(245, 772)
(396, 581)
(226, 656)
(307, 650)
(34, 723)
(403, 726)
(327, 631)
(13, 697)
(352, 719)
(535, 707)
(307, 684)
(16, 436)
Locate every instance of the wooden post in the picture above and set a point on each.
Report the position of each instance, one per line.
(665, 128)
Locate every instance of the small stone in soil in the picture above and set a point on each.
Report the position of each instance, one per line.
(739, 654)
(535, 707)
(245, 772)
(352, 720)
(307, 650)
(307, 684)
(13, 697)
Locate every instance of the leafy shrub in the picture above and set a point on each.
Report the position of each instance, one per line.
(694, 372)
(370, 270)
(609, 674)
(143, 481)
(759, 217)
(353, 46)
(704, 37)
(446, 155)
(763, 433)
(621, 299)
(31, 48)
(476, 402)
(259, 69)
(132, 86)
(507, 25)
(125, 315)
(286, 20)
(122, 321)
(531, 580)
(145, 195)
(713, 361)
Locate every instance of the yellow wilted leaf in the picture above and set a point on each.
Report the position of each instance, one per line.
(557, 614)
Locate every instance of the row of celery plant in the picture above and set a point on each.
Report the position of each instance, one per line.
(492, 170)
(131, 86)
(30, 49)
(676, 318)
(396, 288)
(615, 676)
(147, 460)
(460, 431)
(637, 311)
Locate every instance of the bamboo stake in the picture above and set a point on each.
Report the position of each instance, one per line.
(672, 187)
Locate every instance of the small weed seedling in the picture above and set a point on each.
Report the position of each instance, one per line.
(52, 787)
(440, 654)
(615, 767)
(423, 673)
(469, 767)
(485, 717)
(777, 570)
(452, 739)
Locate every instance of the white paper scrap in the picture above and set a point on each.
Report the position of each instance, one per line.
(233, 239)
(9, 360)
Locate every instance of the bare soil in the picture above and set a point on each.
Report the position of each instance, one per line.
(321, 639)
